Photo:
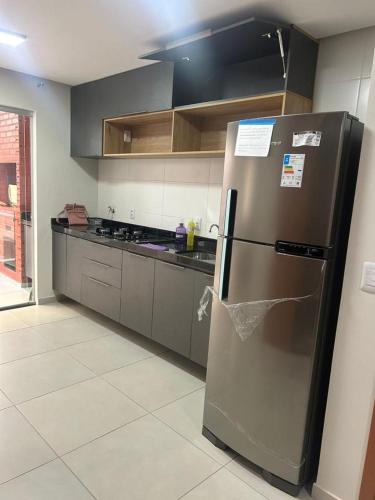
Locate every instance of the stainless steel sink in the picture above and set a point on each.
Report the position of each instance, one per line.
(197, 255)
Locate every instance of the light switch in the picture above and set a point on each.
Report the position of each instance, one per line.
(368, 277)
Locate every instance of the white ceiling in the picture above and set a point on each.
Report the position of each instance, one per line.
(75, 41)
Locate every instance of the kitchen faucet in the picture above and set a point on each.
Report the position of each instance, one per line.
(213, 225)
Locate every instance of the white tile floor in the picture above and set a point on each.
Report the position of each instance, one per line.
(90, 410)
(12, 293)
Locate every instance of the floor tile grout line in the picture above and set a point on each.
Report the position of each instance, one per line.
(79, 479)
(190, 442)
(114, 369)
(124, 394)
(36, 430)
(139, 404)
(93, 376)
(55, 390)
(100, 437)
(240, 478)
(61, 456)
(54, 349)
(68, 345)
(251, 487)
(44, 322)
(230, 472)
(221, 466)
(27, 471)
(179, 398)
(200, 482)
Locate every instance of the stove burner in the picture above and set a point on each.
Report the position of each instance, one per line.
(119, 235)
(103, 231)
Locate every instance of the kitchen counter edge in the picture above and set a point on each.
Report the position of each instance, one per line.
(170, 256)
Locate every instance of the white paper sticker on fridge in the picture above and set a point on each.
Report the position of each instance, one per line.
(292, 170)
(307, 138)
(254, 137)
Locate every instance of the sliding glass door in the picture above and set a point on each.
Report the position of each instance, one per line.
(16, 235)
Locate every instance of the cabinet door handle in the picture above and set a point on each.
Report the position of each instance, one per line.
(99, 263)
(137, 255)
(180, 268)
(99, 282)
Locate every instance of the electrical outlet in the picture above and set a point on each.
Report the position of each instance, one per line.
(132, 213)
(198, 223)
(368, 277)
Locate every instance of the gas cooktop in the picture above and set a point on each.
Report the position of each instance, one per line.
(127, 233)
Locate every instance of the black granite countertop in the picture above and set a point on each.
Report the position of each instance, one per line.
(171, 255)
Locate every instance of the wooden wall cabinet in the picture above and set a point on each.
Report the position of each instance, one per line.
(191, 131)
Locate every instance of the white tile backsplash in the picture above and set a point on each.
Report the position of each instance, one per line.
(188, 170)
(216, 171)
(162, 192)
(144, 196)
(213, 202)
(144, 171)
(185, 200)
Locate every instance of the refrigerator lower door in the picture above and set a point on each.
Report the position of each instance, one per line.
(259, 377)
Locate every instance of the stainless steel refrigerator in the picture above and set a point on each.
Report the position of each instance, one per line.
(280, 239)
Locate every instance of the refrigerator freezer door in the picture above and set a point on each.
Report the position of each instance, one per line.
(257, 392)
(267, 212)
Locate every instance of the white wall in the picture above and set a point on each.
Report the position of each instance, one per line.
(343, 71)
(57, 178)
(162, 192)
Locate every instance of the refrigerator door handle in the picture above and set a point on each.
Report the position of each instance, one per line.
(230, 212)
(225, 268)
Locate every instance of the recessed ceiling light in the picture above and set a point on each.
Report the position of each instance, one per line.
(10, 38)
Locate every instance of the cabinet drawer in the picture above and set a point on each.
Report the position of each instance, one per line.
(102, 272)
(103, 254)
(101, 297)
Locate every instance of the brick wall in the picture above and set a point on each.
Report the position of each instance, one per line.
(14, 168)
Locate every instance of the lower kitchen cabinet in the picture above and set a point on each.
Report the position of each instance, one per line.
(137, 292)
(75, 251)
(152, 297)
(59, 262)
(101, 297)
(173, 306)
(200, 330)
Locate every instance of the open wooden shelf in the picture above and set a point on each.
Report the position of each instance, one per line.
(204, 127)
(149, 132)
(191, 131)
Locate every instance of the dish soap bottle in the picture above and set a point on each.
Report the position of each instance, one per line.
(180, 233)
(190, 234)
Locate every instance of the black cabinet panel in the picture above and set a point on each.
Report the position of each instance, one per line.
(143, 89)
(195, 83)
(302, 59)
(241, 60)
(228, 45)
